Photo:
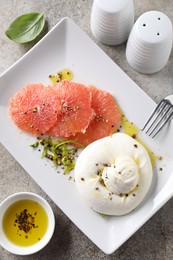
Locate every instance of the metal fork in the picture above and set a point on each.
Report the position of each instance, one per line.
(160, 117)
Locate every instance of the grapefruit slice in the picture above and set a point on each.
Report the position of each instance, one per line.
(34, 109)
(106, 117)
(76, 111)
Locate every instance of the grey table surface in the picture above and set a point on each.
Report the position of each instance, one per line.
(155, 239)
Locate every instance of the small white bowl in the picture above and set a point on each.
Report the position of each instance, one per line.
(26, 250)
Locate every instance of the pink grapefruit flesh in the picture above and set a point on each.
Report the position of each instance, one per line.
(76, 111)
(34, 109)
(106, 117)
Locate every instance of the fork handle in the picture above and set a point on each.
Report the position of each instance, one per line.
(170, 98)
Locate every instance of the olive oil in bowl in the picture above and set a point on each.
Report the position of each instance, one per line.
(25, 222)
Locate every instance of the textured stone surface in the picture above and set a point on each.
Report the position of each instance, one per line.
(155, 239)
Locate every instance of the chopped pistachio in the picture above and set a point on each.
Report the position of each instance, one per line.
(35, 144)
(102, 215)
(62, 153)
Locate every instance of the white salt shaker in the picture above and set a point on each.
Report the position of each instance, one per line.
(150, 42)
(112, 20)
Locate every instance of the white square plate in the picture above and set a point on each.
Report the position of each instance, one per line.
(66, 46)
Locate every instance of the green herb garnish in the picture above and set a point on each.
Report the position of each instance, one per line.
(61, 153)
(35, 144)
(26, 27)
(102, 215)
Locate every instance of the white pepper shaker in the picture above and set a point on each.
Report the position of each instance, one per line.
(150, 42)
(112, 20)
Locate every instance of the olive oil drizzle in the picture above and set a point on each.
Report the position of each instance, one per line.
(61, 75)
(131, 129)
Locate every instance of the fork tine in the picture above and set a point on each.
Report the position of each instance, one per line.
(157, 115)
(159, 118)
(163, 124)
(153, 113)
(163, 121)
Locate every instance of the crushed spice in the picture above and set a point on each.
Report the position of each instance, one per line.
(25, 221)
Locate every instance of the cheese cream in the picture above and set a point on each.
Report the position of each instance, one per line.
(113, 174)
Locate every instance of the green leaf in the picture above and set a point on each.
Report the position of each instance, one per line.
(26, 27)
(35, 144)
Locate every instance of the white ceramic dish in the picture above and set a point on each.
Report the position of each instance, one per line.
(66, 46)
(19, 250)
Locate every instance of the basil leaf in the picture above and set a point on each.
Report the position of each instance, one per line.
(26, 27)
